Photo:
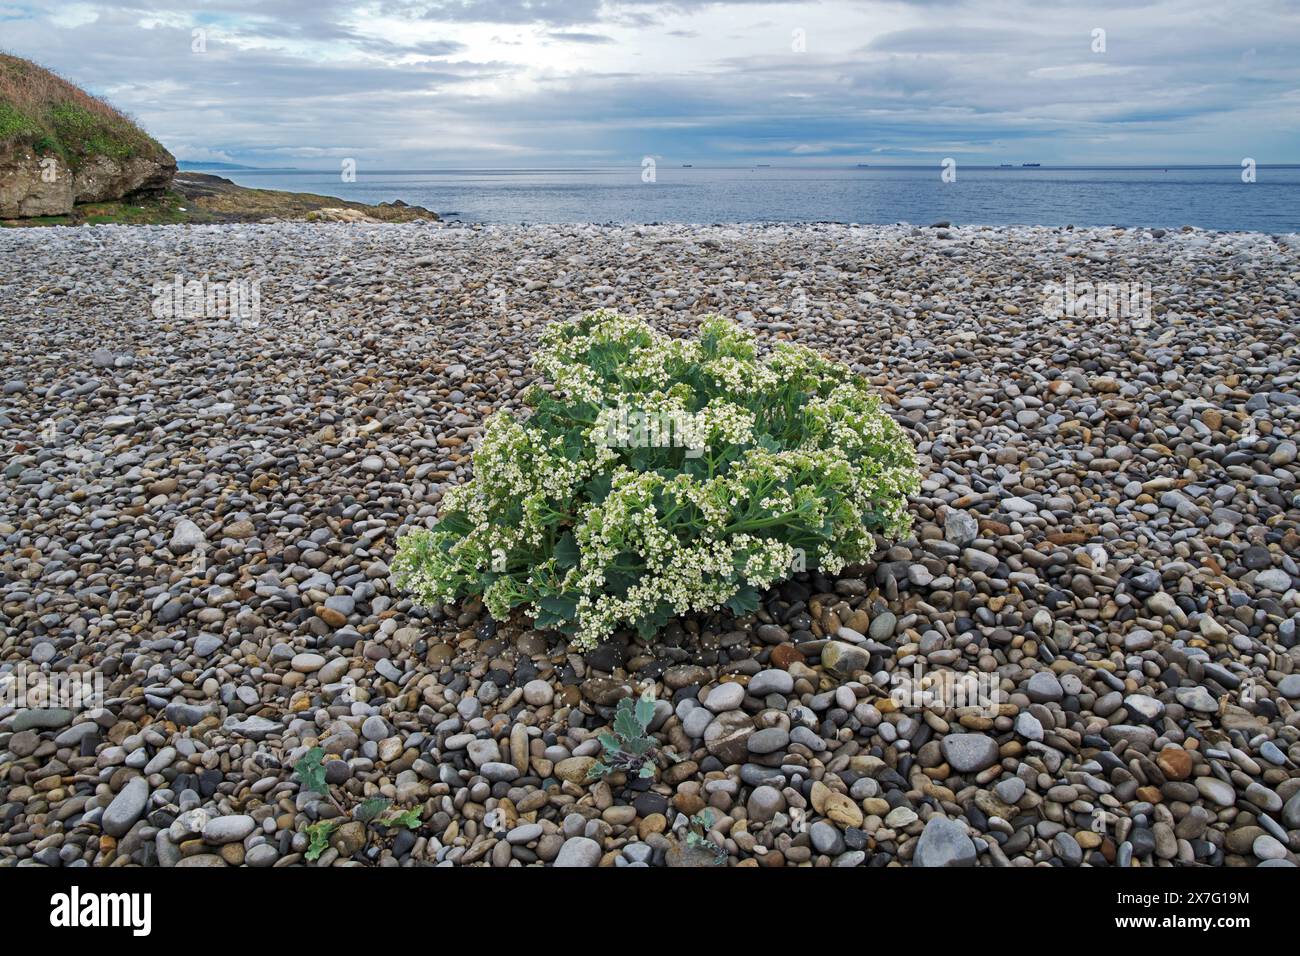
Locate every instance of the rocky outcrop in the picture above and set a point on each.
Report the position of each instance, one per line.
(29, 189)
(219, 199)
(60, 146)
(103, 178)
(36, 185)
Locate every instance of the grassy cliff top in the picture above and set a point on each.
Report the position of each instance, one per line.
(46, 112)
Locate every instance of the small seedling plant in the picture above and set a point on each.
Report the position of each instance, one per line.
(319, 833)
(697, 836)
(630, 747)
(310, 771)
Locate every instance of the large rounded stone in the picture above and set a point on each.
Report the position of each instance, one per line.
(969, 753)
(727, 737)
(1044, 688)
(944, 843)
(126, 807)
(579, 852)
(844, 659)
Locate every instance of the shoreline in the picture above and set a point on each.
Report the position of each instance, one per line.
(399, 215)
(193, 198)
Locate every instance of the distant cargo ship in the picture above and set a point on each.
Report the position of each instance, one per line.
(687, 166)
(1031, 165)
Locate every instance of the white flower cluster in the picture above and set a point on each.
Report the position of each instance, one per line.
(661, 476)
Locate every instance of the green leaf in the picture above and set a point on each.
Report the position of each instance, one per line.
(609, 742)
(320, 838)
(745, 601)
(566, 552)
(546, 621)
(626, 725)
(371, 808)
(619, 581)
(597, 770)
(311, 772)
(561, 605)
(651, 624)
(407, 818)
(574, 445)
(599, 487)
(456, 523)
(556, 612)
(647, 771)
(645, 708)
(641, 745)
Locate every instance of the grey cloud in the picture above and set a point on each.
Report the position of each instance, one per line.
(560, 12)
(964, 40)
(553, 12)
(571, 36)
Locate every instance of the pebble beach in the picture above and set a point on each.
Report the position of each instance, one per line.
(202, 512)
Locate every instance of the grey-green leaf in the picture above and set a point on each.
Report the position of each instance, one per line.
(371, 808)
(645, 709)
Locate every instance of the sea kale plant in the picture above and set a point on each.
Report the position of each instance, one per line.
(630, 748)
(697, 837)
(658, 476)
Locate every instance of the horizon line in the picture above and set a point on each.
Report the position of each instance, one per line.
(674, 164)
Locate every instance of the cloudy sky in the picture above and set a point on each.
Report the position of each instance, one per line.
(539, 83)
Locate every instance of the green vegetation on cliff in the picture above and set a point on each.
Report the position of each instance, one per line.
(44, 111)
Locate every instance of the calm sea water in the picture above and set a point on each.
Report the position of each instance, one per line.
(1208, 197)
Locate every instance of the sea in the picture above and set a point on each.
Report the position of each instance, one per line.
(1208, 197)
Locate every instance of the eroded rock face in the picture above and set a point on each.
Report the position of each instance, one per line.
(36, 185)
(103, 178)
(24, 189)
